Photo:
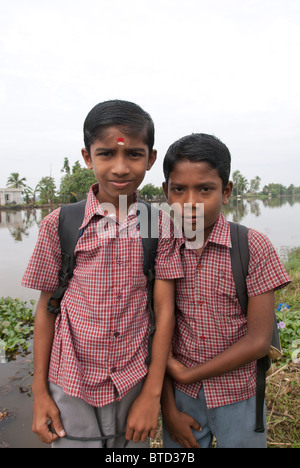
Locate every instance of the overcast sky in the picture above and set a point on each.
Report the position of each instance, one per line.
(226, 67)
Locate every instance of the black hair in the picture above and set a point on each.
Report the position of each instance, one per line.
(124, 114)
(199, 147)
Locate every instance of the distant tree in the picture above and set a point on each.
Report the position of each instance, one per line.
(76, 183)
(30, 194)
(240, 183)
(46, 188)
(14, 181)
(66, 166)
(255, 184)
(149, 191)
(275, 190)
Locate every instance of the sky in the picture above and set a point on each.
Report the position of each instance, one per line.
(225, 67)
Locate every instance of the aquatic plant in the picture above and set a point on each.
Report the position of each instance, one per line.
(16, 326)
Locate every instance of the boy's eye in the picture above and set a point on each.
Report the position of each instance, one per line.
(104, 153)
(205, 189)
(177, 189)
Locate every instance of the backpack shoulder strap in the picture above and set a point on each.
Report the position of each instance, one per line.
(149, 229)
(70, 219)
(239, 254)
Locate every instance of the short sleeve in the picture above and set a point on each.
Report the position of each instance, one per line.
(265, 272)
(168, 263)
(45, 263)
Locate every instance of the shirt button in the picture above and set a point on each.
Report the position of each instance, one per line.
(199, 267)
(202, 338)
(119, 261)
(113, 369)
(116, 334)
(200, 303)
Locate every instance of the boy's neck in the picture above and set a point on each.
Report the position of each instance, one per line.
(119, 206)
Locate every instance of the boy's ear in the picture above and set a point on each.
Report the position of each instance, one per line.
(152, 159)
(87, 158)
(227, 193)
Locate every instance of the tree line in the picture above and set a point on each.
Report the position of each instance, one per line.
(76, 181)
(242, 187)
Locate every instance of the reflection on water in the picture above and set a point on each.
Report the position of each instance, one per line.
(278, 218)
(20, 222)
(239, 209)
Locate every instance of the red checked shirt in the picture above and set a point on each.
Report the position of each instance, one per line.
(101, 335)
(209, 316)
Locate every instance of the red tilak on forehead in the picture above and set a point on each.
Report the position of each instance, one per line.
(120, 141)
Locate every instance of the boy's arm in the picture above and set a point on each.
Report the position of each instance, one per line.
(254, 345)
(44, 408)
(179, 424)
(143, 415)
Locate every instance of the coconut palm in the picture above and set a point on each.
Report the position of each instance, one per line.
(14, 181)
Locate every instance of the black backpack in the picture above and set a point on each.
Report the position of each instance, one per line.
(70, 219)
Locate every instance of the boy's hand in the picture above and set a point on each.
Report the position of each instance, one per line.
(177, 371)
(46, 420)
(180, 427)
(142, 418)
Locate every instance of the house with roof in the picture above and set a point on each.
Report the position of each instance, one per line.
(10, 196)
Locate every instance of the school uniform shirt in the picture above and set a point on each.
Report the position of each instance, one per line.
(101, 334)
(209, 316)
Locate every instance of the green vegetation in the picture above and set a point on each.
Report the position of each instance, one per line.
(16, 326)
(243, 187)
(288, 308)
(74, 186)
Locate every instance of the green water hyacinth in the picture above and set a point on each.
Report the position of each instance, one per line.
(16, 326)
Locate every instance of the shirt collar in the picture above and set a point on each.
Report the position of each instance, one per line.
(219, 235)
(93, 206)
(221, 232)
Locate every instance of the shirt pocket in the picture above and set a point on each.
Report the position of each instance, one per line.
(226, 298)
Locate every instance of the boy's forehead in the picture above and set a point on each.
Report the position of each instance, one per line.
(193, 170)
(120, 136)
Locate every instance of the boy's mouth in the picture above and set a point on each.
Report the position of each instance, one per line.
(120, 184)
(192, 219)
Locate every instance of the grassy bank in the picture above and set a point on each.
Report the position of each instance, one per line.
(283, 387)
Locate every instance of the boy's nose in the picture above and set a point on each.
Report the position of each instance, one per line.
(120, 167)
(190, 198)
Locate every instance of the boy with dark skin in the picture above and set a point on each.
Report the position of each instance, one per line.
(92, 357)
(215, 346)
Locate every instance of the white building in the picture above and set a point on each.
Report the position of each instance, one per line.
(10, 196)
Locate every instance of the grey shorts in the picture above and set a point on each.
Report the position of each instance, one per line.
(80, 420)
(232, 425)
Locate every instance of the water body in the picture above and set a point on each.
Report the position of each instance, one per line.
(279, 219)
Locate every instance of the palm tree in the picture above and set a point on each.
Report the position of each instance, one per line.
(14, 181)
